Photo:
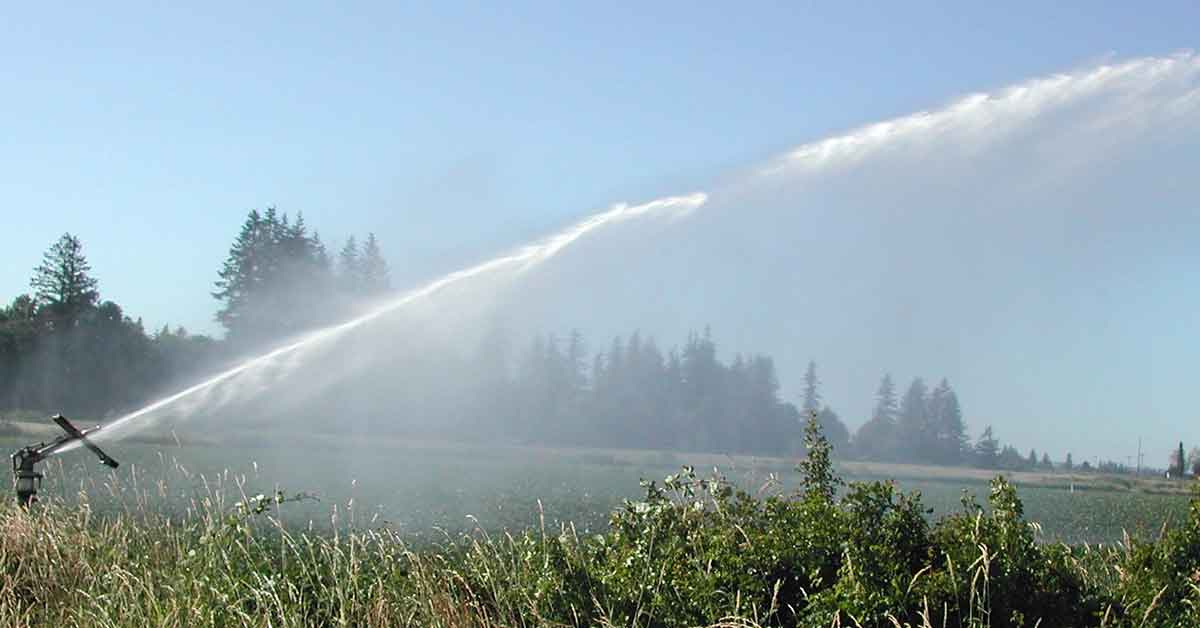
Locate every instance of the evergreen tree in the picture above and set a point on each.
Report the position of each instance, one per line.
(1032, 461)
(1010, 459)
(946, 422)
(749, 397)
(1046, 464)
(919, 440)
(987, 450)
(302, 282)
(243, 276)
(836, 432)
(877, 438)
(576, 358)
(272, 278)
(373, 269)
(700, 388)
(350, 272)
(1069, 464)
(320, 254)
(886, 406)
(18, 339)
(812, 395)
(61, 283)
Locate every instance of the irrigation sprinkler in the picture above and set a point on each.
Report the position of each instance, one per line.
(28, 480)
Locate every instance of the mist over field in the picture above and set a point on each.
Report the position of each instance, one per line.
(639, 315)
(1026, 243)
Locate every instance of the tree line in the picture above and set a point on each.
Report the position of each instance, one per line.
(63, 348)
(279, 279)
(636, 395)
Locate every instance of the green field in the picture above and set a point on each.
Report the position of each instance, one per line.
(430, 489)
(401, 533)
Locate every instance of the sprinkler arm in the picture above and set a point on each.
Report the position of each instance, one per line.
(24, 459)
(40, 451)
(74, 433)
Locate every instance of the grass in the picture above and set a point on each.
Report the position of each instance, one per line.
(422, 487)
(688, 552)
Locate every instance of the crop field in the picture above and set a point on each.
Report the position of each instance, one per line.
(431, 490)
(322, 531)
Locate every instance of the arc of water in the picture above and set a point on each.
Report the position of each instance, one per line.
(977, 111)
(522, 260)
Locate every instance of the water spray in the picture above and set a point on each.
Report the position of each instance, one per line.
(522, 260)
(28, 480)
(974, 121)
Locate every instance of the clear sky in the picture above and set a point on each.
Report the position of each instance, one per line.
(458, 132)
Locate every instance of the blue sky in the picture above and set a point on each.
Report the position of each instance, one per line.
(455, 131)
(458, 132)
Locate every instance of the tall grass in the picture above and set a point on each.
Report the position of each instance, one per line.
(693, 552)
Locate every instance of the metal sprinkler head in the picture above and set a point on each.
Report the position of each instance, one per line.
(27, 479)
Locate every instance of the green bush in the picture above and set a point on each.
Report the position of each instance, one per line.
(1160, 582)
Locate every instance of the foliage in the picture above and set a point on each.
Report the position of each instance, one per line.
(818, 482)
(62, 284)
(375, 277)
(634, 396)
(1161, 581)
(65, 349)
(692, 551)
(878, 438)
(987, 450)
(274, 274)
(924, 427)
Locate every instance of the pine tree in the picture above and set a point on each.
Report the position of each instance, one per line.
(321, 254)
(576, 358)
(373, 270)
(302, 283)
(1010, 459)
(350, 268)
(886, 406)
(919, 440)
(987, 450)
(877, 438)
(242, 274)
(812, 396)
(61, 283)
(1068, 464)
(945, 420)
(273, 277)
(831, 425)
(1046, 464)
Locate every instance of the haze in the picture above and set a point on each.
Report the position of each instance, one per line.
(1032, 243)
